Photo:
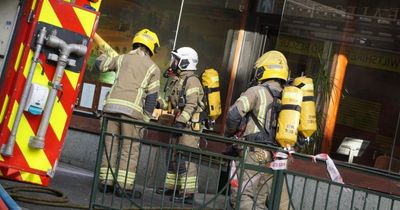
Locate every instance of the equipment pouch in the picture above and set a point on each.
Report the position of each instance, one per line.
(196, 126)
(260, 138)
(255, 138)
(181, 102)
(196, 117)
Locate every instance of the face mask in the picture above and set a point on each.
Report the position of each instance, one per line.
(175, 64)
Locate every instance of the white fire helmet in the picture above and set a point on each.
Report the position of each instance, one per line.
(186, 58)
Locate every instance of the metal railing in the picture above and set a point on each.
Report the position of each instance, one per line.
(157, 149)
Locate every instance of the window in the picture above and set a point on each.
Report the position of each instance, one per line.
(313, 33)
(203, 25)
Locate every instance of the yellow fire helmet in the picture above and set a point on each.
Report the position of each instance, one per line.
(148, 39)
(272, 65)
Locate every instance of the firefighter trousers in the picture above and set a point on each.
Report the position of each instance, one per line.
(182, 174)
(256, 186)
(120, 154)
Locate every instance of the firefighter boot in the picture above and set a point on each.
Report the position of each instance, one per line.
(103, 188)
(165, 191)
(188, 198)
(127, 193)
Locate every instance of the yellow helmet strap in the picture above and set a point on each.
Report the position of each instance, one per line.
(138, 45)
(259, 72)
(156, 48)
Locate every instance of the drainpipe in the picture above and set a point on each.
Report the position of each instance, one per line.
(62, 61)
(8, 148)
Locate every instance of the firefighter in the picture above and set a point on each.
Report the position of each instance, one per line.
(186, 99)
(132, 96)
(271, 74)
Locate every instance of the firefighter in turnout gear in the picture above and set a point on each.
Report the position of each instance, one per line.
(186, 98)
(256, 105)
(132, 96)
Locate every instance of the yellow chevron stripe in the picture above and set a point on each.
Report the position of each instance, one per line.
(87, 19)
(3, 109)
(73, 78)
(18, 61)
(29, 177)
(48, 15)
(58, 116)
(29, 63)
(96, 5)
(12, 116)
(58, 119)
(33, 5)
(36, 158)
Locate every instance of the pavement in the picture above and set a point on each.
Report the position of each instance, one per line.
(73, 182)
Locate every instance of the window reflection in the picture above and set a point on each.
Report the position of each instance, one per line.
(313, 32)
(204, 26)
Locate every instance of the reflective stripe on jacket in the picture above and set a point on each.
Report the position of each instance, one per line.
(255, 100)
(193, 95)
(136, 77)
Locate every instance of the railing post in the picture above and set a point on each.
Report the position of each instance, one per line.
(241, 167)
(100, 151)
(276, 190)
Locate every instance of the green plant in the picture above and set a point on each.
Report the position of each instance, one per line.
(323, 84)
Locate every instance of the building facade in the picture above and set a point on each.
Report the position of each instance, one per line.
(349, 47)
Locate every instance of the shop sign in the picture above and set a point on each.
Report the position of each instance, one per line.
(357, 56)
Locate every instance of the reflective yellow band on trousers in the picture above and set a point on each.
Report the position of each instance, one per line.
(105, 174)
(188, 182)
(171, 179)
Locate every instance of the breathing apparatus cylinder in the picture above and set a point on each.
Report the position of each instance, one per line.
(308, 121)
(289, 116)
(210, 82)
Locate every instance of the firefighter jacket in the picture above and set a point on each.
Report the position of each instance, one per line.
(137, 84)
(257, 100)
(189, 102)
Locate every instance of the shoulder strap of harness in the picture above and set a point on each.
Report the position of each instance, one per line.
(182, 93)
(269, 129)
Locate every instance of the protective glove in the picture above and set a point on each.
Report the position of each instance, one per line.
(179, 125)
(98, 61)
(229, 132)
(231, 150)
(168, 73)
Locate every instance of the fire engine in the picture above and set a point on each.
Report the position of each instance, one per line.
(44, 47)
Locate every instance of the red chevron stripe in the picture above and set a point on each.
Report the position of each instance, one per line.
(45, 180)
(68, 93)
(18, 161)
(82, 2)
(67, 17)
(53, 146)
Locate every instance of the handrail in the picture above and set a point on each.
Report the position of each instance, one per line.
(156, 126)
